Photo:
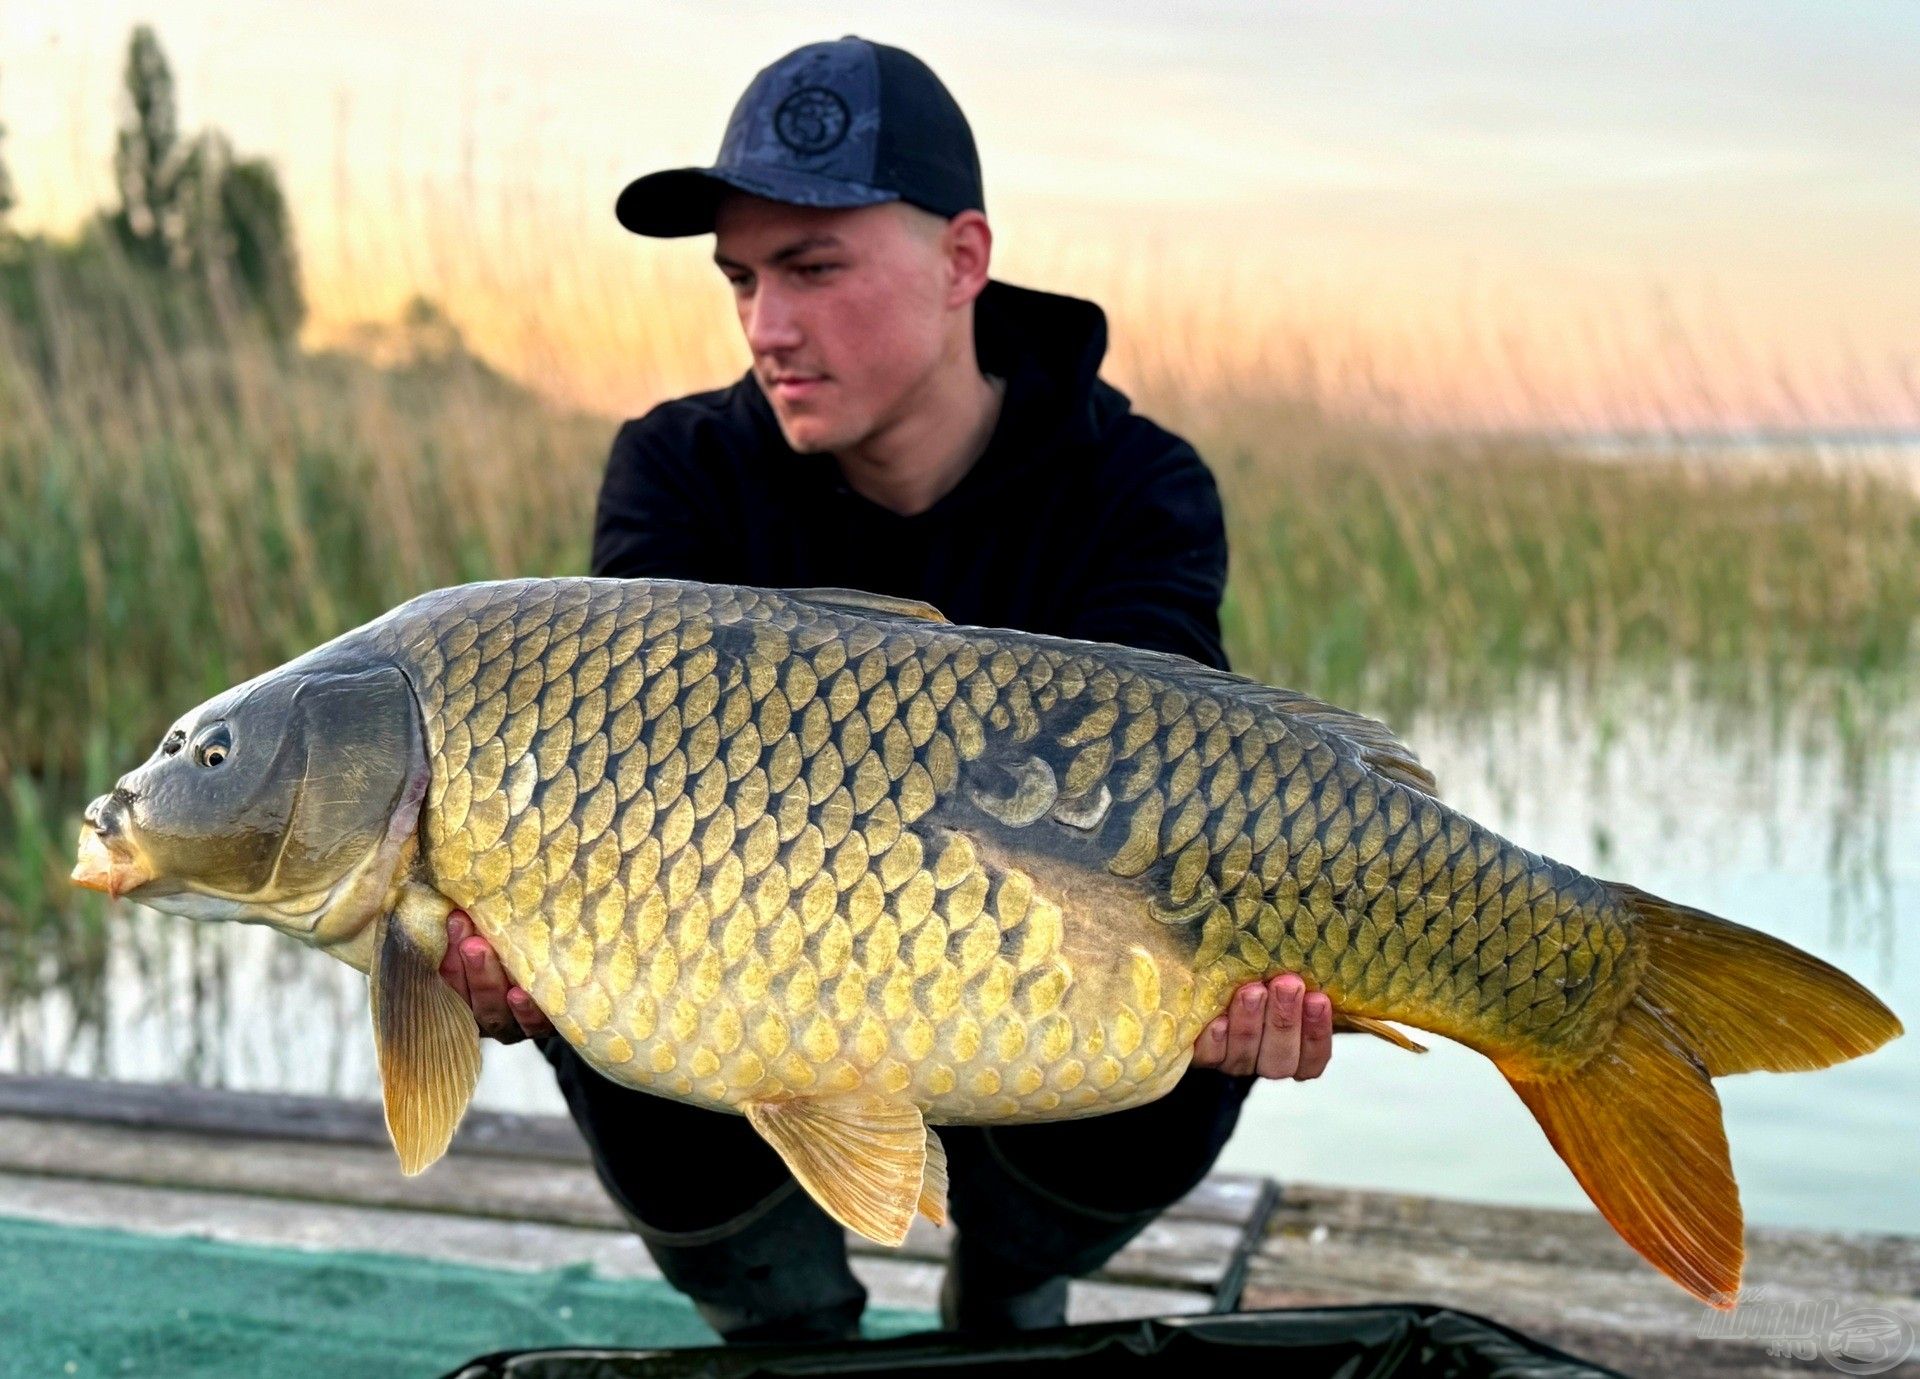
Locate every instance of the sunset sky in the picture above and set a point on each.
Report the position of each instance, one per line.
(1500, 212)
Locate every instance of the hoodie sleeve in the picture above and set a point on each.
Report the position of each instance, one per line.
(649, 521)
(1159, 568)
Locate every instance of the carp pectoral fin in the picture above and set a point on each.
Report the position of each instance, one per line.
(868, 1160)
(428, 1045)
(933, 1183)
(1380, 1029)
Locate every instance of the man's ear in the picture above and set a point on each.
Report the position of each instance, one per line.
(969, 247)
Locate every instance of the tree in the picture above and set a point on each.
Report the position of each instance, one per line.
(260, 241)
(145, 156)
(6, 182)
(233, 233)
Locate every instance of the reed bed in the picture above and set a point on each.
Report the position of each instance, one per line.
(174, 519)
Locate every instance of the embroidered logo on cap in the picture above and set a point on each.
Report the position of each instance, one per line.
(812, 120)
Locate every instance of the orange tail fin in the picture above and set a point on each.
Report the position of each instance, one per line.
(1639, 1123)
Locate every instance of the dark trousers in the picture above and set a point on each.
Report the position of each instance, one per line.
(1032, 1205)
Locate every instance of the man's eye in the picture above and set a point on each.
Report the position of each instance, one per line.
(815, 270)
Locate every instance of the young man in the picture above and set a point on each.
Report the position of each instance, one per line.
(911, 427)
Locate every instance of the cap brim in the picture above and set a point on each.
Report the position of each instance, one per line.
(682, 201)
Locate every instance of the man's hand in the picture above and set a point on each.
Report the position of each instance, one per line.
(502, 1010)
(1275, 1028)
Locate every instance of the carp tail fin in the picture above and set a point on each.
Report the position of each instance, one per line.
(1639, 1125)
(1639, 1122)
(1747, 1001)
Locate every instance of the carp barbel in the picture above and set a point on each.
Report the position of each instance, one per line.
(820, 858)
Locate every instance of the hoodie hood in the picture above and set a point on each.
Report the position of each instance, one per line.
(1049, 348)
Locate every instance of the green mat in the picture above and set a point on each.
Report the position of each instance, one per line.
(89, 1302)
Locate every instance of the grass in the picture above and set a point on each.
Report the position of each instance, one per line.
(173, 520)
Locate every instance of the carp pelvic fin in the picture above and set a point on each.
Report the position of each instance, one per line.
(428, 1045)
(1379, 1029)
(868, 1160)
(868, 605)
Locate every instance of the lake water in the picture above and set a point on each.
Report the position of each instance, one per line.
(1788, 822)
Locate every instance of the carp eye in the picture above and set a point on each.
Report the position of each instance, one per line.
(174, 741)
(213, 745)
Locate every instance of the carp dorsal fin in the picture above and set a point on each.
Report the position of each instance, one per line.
(1377, 743)
(1373, 741)
(428, 1044)
(860, 601)
(870, 1161)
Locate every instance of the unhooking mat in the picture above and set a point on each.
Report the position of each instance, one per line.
(97, 1303)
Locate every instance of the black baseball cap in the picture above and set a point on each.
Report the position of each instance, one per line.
(850, 123)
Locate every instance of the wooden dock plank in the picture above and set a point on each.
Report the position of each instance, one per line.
(518, 1190)
(1563, 1275)
(244, 1219)
(315, 1150)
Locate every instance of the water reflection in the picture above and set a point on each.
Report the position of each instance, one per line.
(1801, 822)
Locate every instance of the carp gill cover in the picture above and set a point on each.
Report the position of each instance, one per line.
(820, 858)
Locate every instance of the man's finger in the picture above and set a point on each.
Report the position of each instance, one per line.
(1316, 1036)
(1211, 1046)
(532, 1020)
(1245, 1017)
(488, 985)
(453, 970)
(1280, 1040)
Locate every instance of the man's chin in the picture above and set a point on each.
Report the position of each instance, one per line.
(808, 436)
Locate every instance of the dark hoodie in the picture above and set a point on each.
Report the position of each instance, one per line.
(1080, 518)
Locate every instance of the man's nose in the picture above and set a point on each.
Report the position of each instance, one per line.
(771, 323)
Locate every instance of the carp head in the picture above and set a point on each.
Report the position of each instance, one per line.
(288, 800)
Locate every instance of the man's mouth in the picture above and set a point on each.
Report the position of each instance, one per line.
(791, 386)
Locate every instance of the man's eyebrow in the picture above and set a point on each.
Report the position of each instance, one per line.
(789, 251)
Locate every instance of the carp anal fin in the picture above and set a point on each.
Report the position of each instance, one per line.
(867, 605)
(1379, 1029)
(933, 1182)
(869, 1161)
(428, 1044)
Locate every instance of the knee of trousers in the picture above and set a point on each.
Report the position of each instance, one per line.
(782, 1259)
(763, 1251)
(1066, 1197)
(1014, 1232)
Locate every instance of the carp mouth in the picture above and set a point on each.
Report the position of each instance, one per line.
(109, 859)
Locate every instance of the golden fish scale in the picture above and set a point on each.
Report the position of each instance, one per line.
(742, 846)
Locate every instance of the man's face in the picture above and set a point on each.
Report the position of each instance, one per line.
(845, 311)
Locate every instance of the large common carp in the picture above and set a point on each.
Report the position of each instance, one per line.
(826, 860)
